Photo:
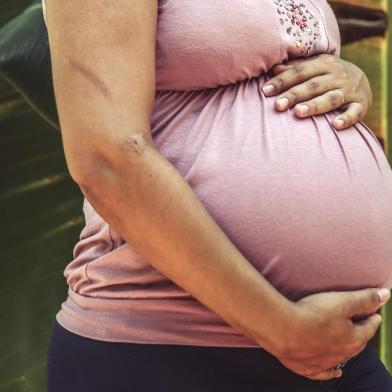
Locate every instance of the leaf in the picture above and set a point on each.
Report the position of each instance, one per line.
(25, 61)
(40, 207)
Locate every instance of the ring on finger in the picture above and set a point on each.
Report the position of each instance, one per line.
(340, 365)
(341, 93)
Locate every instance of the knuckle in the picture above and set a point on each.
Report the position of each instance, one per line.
(343, 76)
(279, 82)
(356, 90)
(330, 59)
(333, 98)
(292, 95)
(298, 72)
(314, 86)
(362, 302)
(374, 298)
(315, 106)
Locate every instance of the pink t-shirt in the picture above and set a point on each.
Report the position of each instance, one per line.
(310, 207)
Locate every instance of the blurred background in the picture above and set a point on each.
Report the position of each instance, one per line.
(41, 207)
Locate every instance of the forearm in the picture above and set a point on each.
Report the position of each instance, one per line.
(153, 208)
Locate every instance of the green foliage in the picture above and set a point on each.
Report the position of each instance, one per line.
(41, 210)
(25, 61)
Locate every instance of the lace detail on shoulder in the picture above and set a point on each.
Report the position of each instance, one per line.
(300, 23)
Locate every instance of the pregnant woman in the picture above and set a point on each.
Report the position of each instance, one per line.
(228, 246)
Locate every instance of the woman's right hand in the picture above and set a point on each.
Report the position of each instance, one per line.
(324, 331)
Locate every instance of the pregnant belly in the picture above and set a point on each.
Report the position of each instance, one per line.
(309, 207)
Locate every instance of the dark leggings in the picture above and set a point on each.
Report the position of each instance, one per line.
(79, 364)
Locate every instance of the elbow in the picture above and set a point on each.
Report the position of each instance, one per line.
(106, 159)
(88, 173)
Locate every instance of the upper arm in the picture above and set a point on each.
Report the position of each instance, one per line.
(103, 67)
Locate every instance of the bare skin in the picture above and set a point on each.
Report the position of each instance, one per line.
(111, 155)
(312, 85)
(90, 75)
(137, 142)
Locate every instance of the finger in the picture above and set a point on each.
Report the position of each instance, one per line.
(354, 113)
(321, 104)
(295, 74)
(366, 328)
(364, 301)
(356, 352)
(312, 365)
(297, 366)
(325, 375)
(278, 68)
(311, 88)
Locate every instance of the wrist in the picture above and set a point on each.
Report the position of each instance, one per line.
(275, 335)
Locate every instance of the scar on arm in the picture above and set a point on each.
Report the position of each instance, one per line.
(136, 142)
(89, 75)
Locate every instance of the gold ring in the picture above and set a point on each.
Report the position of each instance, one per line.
(339, 92)
(340, 365)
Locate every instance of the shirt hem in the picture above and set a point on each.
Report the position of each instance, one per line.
(177, 321)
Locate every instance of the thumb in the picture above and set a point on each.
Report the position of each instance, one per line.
(366, 328)
(365, 301)
(278, 68)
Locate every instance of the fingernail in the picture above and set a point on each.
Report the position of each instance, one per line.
(379, 317)
(339, 373)
(384, 294)
(268, 88)
(339, 122)
(302, 108)
(283, 102)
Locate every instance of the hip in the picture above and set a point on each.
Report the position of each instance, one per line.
(102, 366)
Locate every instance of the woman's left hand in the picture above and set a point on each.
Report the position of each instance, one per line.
(319, 84)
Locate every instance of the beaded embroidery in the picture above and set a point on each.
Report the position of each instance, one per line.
(300, 23)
